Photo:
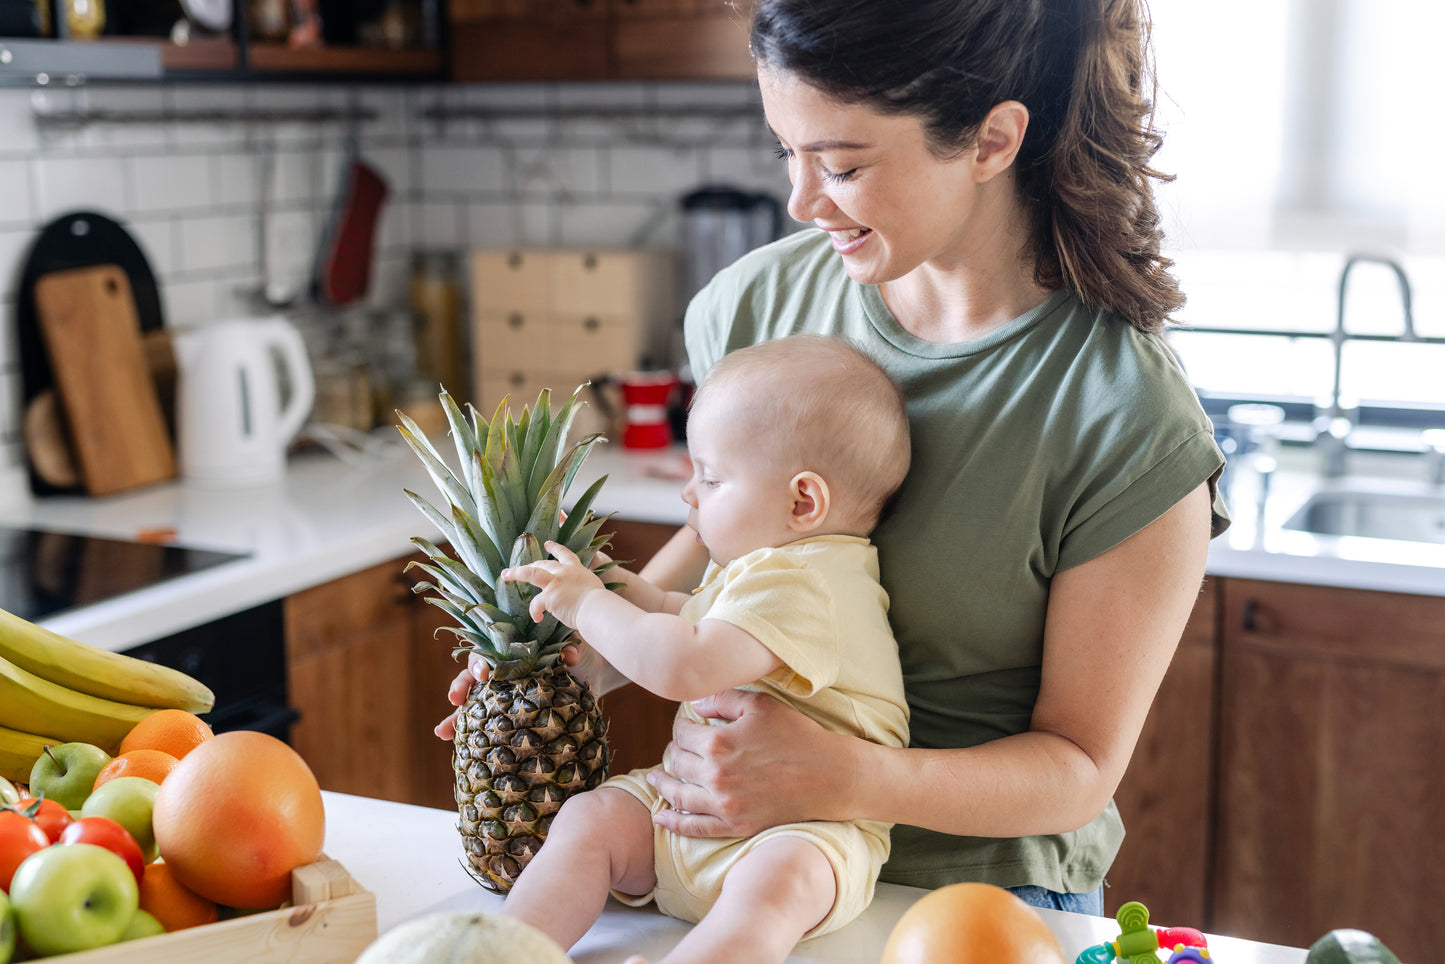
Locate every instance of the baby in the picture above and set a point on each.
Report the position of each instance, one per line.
(796, 445)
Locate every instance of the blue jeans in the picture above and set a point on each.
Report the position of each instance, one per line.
(1090, 903)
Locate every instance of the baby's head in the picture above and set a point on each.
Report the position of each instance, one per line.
(812, 404)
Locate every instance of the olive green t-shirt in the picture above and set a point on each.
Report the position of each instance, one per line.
(1035, 448)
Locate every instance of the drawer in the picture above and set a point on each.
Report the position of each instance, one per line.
(597, 344)
(510, 280)
(513, 339)
(610, 282)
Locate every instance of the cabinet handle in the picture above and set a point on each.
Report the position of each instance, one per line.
(515, 320)
(591, 324)
(1251, 609)
(514, 260)
(589, 261)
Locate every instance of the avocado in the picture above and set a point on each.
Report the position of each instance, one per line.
(1347, 946)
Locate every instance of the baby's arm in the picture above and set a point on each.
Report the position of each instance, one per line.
(660, 651)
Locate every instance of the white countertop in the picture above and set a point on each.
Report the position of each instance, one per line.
(328, 518)
(410, 858)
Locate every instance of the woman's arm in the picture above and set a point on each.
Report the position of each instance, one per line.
(1112, 626)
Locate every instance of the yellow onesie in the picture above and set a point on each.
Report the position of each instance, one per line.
(818, 606)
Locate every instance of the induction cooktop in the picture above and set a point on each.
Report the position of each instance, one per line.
(43, 573)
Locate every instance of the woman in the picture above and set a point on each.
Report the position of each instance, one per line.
(979, 172)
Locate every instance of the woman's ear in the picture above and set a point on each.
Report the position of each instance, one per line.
(999, 138)
(811, 501)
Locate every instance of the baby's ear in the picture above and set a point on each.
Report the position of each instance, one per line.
(811, 502)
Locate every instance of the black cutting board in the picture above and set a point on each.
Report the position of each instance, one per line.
(79, 239)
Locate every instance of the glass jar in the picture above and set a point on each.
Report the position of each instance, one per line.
(436, 306)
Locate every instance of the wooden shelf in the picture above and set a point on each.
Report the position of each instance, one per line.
(278, 58)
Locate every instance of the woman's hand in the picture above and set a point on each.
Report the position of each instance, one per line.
(765, 765)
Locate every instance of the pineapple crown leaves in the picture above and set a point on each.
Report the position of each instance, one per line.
(502, 505)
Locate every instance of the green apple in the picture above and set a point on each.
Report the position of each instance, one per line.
(129, 802)
(7, 929)
(143, 924)
(73, 897)
(66, 773)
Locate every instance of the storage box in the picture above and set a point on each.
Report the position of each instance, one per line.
(331, 920)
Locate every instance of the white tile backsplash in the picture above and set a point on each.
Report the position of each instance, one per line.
(188, 188)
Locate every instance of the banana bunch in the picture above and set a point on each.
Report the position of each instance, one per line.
(56, 690)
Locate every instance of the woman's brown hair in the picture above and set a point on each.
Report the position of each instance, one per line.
(1082, 69)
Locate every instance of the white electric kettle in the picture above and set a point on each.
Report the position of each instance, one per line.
(232, 423)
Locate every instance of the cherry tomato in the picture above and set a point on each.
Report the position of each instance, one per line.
(105, 832)
(50, 815)
(19, 838)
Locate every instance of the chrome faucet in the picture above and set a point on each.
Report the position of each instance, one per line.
(1333, 427)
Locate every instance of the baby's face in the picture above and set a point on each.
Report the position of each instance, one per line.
(740, 499)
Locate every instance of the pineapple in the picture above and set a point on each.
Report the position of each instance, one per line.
(532, 734)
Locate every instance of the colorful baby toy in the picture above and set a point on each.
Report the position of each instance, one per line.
(1137, 942)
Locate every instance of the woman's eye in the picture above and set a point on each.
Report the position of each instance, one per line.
(840, 176)
(782, 153)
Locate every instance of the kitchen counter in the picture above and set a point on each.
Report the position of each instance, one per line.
(409, 857)
(330, 517)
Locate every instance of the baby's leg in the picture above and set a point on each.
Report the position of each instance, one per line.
(770, 899)
(599, 840)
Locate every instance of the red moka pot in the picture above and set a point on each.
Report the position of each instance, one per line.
(646, 395)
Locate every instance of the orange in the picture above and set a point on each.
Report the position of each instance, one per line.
(172, 904)
(971, 924)
(152, 765)
(171, 731)
(236, 816)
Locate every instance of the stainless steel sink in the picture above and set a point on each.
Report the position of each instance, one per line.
(1373, 514)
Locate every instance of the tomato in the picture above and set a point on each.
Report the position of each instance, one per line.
(19, 838)
(105, 832)
(50, 815)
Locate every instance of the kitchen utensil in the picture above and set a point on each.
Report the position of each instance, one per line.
(344, 272)
(47, 442)
(77, 239)
(232, 423)
(92, 336)
(645, 395)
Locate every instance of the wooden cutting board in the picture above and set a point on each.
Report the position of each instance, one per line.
(92, 335)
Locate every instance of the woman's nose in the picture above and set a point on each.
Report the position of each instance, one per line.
(807, 201)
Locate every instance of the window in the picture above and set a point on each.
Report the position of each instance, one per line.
(1302, 131)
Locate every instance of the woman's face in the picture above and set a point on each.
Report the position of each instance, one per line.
(869, 180)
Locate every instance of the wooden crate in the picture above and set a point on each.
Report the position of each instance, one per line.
(331, 920)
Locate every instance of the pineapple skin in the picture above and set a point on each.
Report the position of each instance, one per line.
(522, 747)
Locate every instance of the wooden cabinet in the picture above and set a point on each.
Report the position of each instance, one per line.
(1331, 784)
(504, 40)
(370, 682)
(1289, 779)
(1166, 797)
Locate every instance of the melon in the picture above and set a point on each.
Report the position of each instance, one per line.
(463, 937)
(1348, 946)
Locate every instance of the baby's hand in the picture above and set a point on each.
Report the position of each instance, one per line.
(563, 582)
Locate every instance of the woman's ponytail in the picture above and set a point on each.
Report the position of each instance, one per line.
(1097, 227)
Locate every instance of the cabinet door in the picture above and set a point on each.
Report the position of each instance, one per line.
(499, 40)
(349, 673)
(1166, 797)
(658, 40)
(1330, 765)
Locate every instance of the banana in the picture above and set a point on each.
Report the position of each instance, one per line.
(98, 672)
(31, 703)
(18, 753)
